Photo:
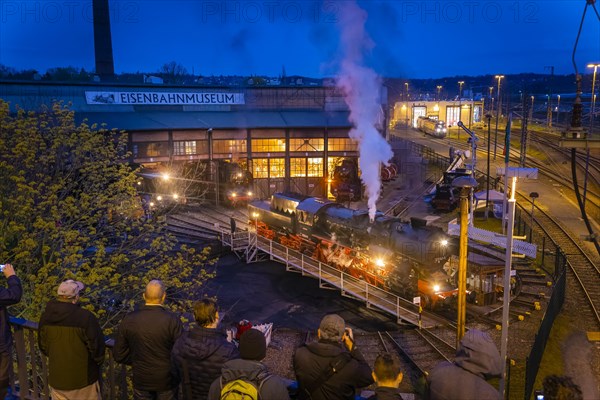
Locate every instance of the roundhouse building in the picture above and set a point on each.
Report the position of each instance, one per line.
(289, 138)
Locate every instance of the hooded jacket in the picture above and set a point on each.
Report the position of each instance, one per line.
(144, 341)
(204, 351)
(8, 296)
(273, 387)
(72, 339)
(477, 359)
(313, 360)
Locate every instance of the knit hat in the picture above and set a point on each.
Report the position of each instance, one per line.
(70, 288)
(332, 327)
(253, 345)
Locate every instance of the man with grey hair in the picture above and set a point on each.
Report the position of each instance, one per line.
(72, 339)
(145, 339)
(332, 367)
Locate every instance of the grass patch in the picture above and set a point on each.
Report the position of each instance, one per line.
(491, 224)
(552, 361)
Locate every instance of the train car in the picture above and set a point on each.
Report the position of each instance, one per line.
(345, 182)
(433, 127)
(387, 252)
(446, 196)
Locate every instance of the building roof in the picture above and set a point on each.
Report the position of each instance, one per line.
(141, 121)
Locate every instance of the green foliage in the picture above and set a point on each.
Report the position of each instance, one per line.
(69, 209)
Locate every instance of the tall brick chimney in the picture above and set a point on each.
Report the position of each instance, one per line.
(105, 66)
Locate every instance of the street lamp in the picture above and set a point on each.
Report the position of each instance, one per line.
(439, 88)
(487, 193)
(460, 84)
(548, 115)
(558, 110)
(595, 66)
(466, 185)
(531, 111)
(506, 295)
(498, 102)
(406, 86)
(491, 100)
(533, 195)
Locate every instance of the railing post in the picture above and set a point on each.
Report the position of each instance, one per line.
(19, 337)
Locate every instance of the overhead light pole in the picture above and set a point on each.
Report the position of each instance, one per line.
(592, 110)
(460, 84)
(491, 100)
(406, 86)
(558, 110)
(466, 185)
(531, 111)
(439, 88)
(498, 102)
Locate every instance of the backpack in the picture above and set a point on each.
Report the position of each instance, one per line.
(242, 389)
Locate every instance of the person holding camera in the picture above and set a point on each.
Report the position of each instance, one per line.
(332, 367)
(9, 295)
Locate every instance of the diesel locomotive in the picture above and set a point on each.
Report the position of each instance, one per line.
(402, 257)
(433, 127)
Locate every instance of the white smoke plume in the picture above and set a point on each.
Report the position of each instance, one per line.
(361, 87)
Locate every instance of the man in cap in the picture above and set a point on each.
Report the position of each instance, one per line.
(145, 339)
(8, 296)
(332, 367)
(237, 375)
(72, 339)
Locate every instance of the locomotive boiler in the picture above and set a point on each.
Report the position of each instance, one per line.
(406, 258)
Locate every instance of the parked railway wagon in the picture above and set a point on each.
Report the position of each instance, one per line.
(401, 257)
(433, 127)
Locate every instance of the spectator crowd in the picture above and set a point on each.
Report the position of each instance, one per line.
(169, 362)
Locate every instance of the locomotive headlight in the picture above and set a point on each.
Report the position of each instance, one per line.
(159, 198)
(444, 242)
(436, 288)
(249, 194)
(234, 194)
(379, 262)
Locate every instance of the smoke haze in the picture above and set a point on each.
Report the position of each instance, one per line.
(362, 95)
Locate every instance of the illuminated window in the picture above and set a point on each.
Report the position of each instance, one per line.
(181, 148)
(268, 168)
(303, 167)
(229, 146)
(268, 145)
(342, 144)
(156, 149)
(452, 115)
(315, 144)
(315, 167)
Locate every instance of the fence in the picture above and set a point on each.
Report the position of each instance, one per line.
(30, 379)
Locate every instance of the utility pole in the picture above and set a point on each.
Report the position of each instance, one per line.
(549, 108)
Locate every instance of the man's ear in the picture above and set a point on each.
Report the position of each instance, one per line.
(399, 379)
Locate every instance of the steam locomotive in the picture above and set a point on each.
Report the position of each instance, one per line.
(221, 181)
(405, 258)
(346, 184)
(433, 127)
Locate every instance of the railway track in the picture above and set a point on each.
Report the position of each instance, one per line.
(583, 268)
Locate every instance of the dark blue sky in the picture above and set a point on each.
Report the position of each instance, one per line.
(412, 38)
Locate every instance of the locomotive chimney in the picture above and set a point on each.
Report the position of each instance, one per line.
(102, 40)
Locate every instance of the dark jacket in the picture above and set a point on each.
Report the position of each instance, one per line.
(273, 387)
(203, 351)
(72, 339)
(8, 296)
(144, 341)
(477, 359)
(313, 360)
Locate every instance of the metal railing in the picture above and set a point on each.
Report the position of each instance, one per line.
(29, 379)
